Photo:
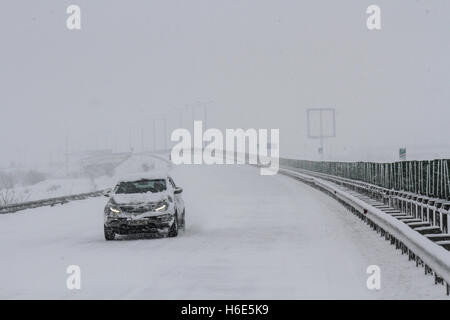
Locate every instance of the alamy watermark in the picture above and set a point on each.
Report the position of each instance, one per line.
(73, 21)
(374, 19)
(73, 281)
(239, 146)
(374, 280)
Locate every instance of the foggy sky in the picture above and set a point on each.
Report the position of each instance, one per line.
(262, 63)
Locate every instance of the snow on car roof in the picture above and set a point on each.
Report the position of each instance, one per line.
(143, 175)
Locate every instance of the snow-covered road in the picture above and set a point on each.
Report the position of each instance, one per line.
(248, 236)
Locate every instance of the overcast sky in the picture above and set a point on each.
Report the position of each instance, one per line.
(262, 63)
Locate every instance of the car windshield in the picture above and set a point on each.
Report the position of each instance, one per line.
(141, 186)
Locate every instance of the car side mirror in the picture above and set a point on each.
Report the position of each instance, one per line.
(178, 190)
(107, 194)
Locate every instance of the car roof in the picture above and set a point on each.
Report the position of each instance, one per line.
(143, 175)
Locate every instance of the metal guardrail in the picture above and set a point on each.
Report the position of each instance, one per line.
(49, 202)
(429, 178)
(434, 258)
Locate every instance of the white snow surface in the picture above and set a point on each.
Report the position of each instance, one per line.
(52, 188)
(140, 197)
(248, 237)
(131, 169)
(143, 175)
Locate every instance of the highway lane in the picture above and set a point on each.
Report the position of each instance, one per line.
(248, 236)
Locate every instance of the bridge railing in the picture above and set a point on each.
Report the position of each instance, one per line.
(428, 178)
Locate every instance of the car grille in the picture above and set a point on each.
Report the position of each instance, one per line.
(137, 209)
(124, 229)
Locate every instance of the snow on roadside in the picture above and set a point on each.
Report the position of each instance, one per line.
(52, 188)
(59, 187)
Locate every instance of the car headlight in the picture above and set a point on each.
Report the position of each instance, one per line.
(161, 207)
(114, 210)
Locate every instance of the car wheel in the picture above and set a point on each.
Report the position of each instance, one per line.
(109, 234)
(173, 232)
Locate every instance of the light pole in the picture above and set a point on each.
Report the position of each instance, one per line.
(66, 152)
(154, 135)
(181, 115)
(205, 110)
(142, 140)
(129, 140)
(321, 135)
(205, 115)
(165, 133)
(164, 119)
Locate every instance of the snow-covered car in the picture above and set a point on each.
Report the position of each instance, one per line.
(144, 203)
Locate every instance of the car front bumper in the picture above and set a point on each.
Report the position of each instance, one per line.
(125, 226)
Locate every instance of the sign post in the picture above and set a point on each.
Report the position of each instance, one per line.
(321, 124)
